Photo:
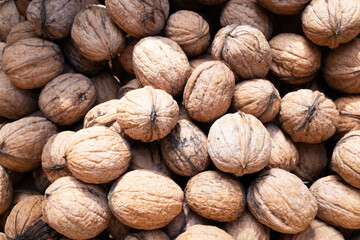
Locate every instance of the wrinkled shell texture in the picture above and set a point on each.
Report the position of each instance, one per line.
(281, 201)
(195, 62)
(126, 56)
(6, 190)
(349, 112)
(215, 196)
(148, 235)
(161, 63)
(145, 199)
(204, 232)
(139, 18)
(33, 62)
(20, 31)
(9, 17)
(257, 97)
(106, 87)
(244, 48)
(208, 91)
(308, 116)
(129, 86)
(22, 142)
(75, 209)
(238, 143)
(339, 203)
(95, 35)
(67, 98)
(287, 7)
(342, 67)
(147, 114)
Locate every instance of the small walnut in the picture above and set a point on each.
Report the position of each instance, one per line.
(146, 200)
(211, 2)
(308, 116)
(257, 97)
(195, 62)
(238, 143)
(76, 209)
(106, 87)
(6, 190)
(287, 7)
(40, 180)
(125, 57)
(20, 31)
(117, 229)
(129, 86)
(148, 235)
(349, 114)
(95, 35)
(9, 17)
(204, 232)
(161, 63)
(244, 48)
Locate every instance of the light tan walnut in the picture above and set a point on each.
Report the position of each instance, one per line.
(284, 7)
(204, 232)
(349, 114)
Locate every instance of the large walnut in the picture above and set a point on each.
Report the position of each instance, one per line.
(6, 190)
(349, 114)
(106, 87)
(20, 31)
(125, 57)
(148, 235)
(9, 17)
(204, 232)
(129, 86)
(287, 7)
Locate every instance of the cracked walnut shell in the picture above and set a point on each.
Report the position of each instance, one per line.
(6, 190)
(349, 114)
(204, 232)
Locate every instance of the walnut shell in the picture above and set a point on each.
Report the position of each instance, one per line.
(147, 114)
(22, 142)
(145, 199)
(3, 236)
(6, 190)
(281, 201)
(22, 6)
(148, 235)
(204, 232)
(41, 181)
(257, 97)
(9, 17)
(349, 114)
(244, 48)
(308, 116)
(20, 31)
(126, 56)
(2, 49)
(287, 7)
(106, 87)
(117, 229)
(238, 143)
(215, 196)
(161, 63)
(67, 98)
(95, 35)
(195, 62)
(208, 92)
(41, 62)
(139, 18)
(129, 86)
(76, 209)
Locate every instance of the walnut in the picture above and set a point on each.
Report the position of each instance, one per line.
(9, 17)
(148, 235)
(257, 97)
(308, 116)
(211, 2)
(238, 143)
(6, 190)
(204, 232)
(76, 209)
(67, 98)
(126, 56)
(95, 35)
(20, 31)
(40, 179)
(195, 62)
(3, 236)
(349, 114)
(117, 229)
(287, 7)
(147, 114)
(244, 48)
(146, 200)
(22, 142)
(106, 87)
(215, 196)
(129, 86)
(139, 18)
(161, 63)
(22, 6)
(2, 49)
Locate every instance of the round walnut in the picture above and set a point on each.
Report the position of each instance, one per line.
(95, 35)
(76, 209)
(9, 17)
(147, 114)
(33, 62)
(139, 18)
(106, 87)
(20, 31)
(238, 143)
(67, 98)
(244, 48)
(146, 200)
(129, 86)
(295, 59)
(208, 92)
(195, 62)
(6, 190)
(287, 7)
(204, 232)
(349, 112)
(281, 201)
(22, 142)
(257, 97)
(308, 116)
(246, 12)
(161, 63)
(148, 235)
(126, 56)
(216, 196)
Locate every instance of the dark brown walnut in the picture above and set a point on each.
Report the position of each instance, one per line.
(106, 87)
(183, 113)
(95, 35)
(238, 143)
(9, 17)
(308, 116)
(16, 177)
(339, 203)
(246, 12)
(349, 114)
(332, 22)
(2, 49)
(125, 57)
(76, 209)
(257, 97)
(244, 48)
(117, 229)
(145, 200)
(6, 190)
(281, 201)
(22, 142)
(295, 59)
(147, 114)
(20, 31)
(287, 7)
(22, 6)
(341, 67)
(161, 63)
(208, 91)
(33, 62)
(139, 18)
(129, 86)
(41, 181)
(148, 235)
(211, 2)
(216, 196)
(204, 232)
(2, 122)
(52, 19)
(195, 62)
(67, 98)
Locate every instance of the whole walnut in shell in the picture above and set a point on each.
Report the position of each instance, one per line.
(6, 190)
(106, 87)
(148, 235)
(9, 17)
(20, 31)
(238, 143)
(125, 57)
(308, 116)
(287, 7)
(244, 48)
(146, 200)
(129, 86)
(204, 232)
(281, 201)
(349, 114)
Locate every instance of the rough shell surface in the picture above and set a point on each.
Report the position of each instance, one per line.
(129, 86)
(6, 190)
(287, 7)
(20, 31)
(148, 235)
(349, 114)
(22, 6)
(204, 232)
(106, 87)
(9, 17)
(126, 55)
